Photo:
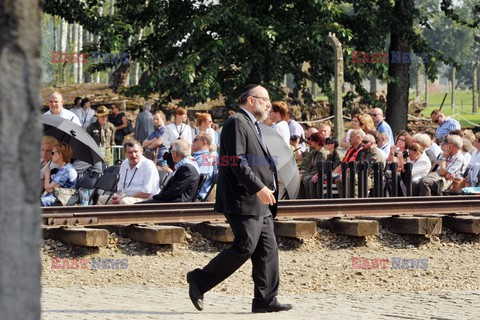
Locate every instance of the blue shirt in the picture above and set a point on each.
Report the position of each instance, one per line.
(385, 127)
(206, 165)
(448, 125)
(66, 176)
(157, 133)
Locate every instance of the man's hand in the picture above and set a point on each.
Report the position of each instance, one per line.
(315, 178)
(266, 196)
(116, 199)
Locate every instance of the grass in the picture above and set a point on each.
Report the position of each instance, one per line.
(463, 108)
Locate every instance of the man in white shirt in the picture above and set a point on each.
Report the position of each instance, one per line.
(139, 178)
(55, 103)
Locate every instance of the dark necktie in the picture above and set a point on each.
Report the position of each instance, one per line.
(259, 132)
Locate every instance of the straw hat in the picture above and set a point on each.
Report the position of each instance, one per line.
(102, 111)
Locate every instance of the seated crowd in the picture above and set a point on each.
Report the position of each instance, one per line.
(177, 163)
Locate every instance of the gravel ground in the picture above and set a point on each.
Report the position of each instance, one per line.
(308, 266)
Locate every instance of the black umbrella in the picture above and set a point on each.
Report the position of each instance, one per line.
(83, 145)
(286, 165)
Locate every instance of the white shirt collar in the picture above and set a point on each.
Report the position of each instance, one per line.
(250, 115)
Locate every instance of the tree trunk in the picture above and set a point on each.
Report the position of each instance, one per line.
(55, 47)
(426, 90)
(418, 87)
(63, 48)
(337, 107)
(89, 39)
(20, 67)
(100, 12)
(475, 88)
(80, 48)
(119, 77)
(110, 74)
(397, 95)
(373, 84)
(75, 50)
(453, 82)
(137, 65)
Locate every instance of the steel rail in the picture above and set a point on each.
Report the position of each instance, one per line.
(209, 205)
(186, 212)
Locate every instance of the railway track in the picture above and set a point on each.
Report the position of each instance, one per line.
(202, 211)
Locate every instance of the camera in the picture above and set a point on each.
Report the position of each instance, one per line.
(405, 154)
(295, 137)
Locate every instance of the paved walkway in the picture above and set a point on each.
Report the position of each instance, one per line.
(142, 302)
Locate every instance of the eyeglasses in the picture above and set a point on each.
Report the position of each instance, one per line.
(436, 120)
(365, 141)
(263, 98)
(374, 114)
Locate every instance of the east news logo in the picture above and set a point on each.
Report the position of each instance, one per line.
(392, 263)
(94, 263)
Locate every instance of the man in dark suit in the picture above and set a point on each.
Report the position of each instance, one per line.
(183, 185)
(247, 195)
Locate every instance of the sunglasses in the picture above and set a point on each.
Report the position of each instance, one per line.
(436, 120)
(366, 141)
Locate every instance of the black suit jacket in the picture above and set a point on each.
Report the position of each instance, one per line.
(182, 187)
(245, 167)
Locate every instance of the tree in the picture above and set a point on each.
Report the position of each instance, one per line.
(20, 44)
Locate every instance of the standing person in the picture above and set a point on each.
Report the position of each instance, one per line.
(445, 124)
(246, 195)
(55, 103)
(103, 132)
(144, 123)
(154, 141)
(381, 124)
(119, 120)
(296, 130)
(178, 128)
(356, 123)
(77, 108)
(278, 114)
(204, 122)
(87, 113)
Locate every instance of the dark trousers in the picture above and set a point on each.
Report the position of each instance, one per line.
(255, 240)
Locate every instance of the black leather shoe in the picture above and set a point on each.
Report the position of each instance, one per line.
(195, 295)
(277, 307)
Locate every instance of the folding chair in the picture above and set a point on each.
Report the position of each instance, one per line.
(164, 176)
(107, 183)
(87, 183)
(112, 169)
(212, 186)
(201, 182)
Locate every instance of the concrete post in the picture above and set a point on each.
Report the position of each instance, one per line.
(20, 45)
(337, 105)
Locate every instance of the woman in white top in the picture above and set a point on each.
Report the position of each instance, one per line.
(178, 129)
(357, 122)
(278, 114)
(421, 164)
(204, 123)
(87, 115)
(474, 164)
